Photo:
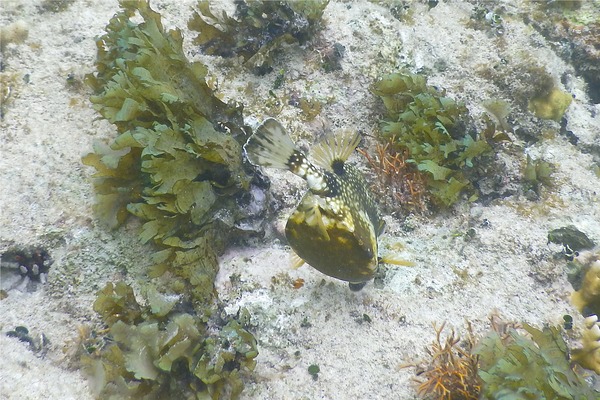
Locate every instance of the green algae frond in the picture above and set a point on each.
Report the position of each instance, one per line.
(163, 353)
(551, 105)
(429, 126)
(177, 165)
(515, 366)
(537, 173)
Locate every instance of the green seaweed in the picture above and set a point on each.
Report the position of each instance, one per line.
(166, 353)
(515, 366)
(537, 173)
(177, 165)
(430, 126)
(258, 29)
(117, 303)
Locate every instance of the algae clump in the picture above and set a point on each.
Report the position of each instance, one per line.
(258, 29)
(177, 165)
(551, 105)
(167, 353)
(514, 366)
(430, 127)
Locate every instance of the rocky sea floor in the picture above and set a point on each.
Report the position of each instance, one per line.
(490, 256)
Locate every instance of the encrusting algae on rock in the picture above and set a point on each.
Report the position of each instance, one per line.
(336, 225)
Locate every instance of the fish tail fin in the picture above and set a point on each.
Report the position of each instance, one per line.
(271, 146)
(335, 148)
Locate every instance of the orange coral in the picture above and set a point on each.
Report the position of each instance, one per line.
(404, 183)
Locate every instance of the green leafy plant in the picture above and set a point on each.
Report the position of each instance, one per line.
(257, 30)
(430, 127)
(514, 366)
(537, 173)
(177, 165)
(158, 351)
(507, 364)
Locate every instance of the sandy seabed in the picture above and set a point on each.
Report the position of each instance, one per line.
(46, 199)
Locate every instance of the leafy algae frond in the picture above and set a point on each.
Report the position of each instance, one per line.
(158, 352)
(429, 126)
(517, 366)
(507, 363)
(177, 165)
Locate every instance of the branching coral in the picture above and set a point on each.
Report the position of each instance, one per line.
(430, 128)
(587, 298)
(258, 29)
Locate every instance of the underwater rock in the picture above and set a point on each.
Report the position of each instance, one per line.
(574, 32)
(572, 237)
(258, 29)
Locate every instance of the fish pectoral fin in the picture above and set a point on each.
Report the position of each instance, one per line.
(297, 262)
(270, 146)
(396, 261)
(393, 257)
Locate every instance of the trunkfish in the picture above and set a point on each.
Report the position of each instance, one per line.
(335, 226)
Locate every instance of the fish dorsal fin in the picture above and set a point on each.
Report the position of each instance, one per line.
(334, 147)
(270, 145)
